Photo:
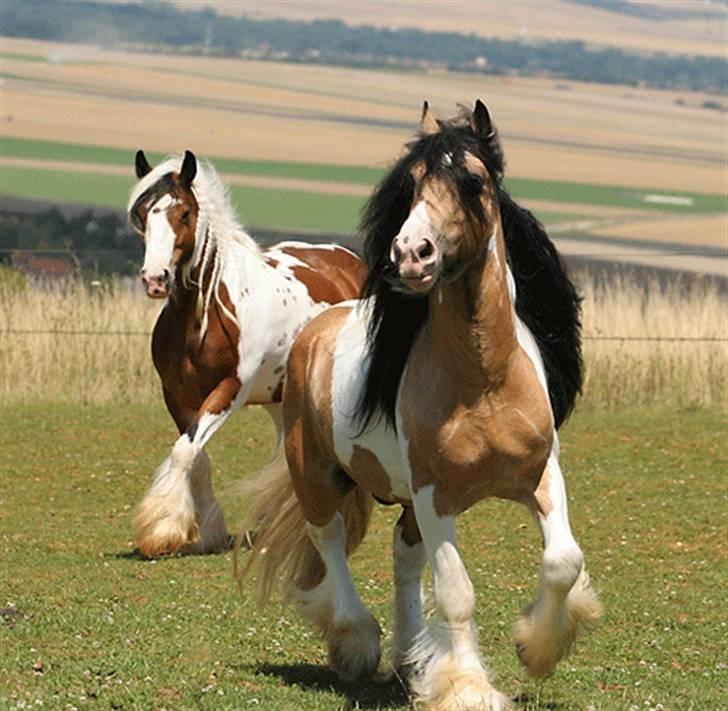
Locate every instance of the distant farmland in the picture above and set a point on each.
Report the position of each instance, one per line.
(302, 146)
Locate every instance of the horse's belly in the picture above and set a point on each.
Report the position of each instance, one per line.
(372, 458)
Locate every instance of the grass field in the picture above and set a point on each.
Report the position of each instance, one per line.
(86, 623)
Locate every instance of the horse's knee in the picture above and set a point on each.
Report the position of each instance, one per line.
(332, 534)
(561, 566)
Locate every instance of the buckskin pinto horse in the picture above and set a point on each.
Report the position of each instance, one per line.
(445, 387)
(223, 335)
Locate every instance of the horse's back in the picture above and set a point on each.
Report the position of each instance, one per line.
(331, 273)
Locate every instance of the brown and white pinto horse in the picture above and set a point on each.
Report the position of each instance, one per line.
(439, 391)
(223, 335)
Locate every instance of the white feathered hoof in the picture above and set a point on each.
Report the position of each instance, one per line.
(458, 690)
(354, 649)
(158, 532)
(213, 536)
(542, 644)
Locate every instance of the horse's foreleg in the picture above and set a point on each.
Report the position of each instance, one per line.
(449, 671)
(565, 601)
(179, 513)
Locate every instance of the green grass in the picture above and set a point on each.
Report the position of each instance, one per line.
(256, 207)
(56, 151)
(86, 623)
(259, 207)
(522, 188)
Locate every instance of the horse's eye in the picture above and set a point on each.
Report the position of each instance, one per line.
(185, 217)
(474, 183)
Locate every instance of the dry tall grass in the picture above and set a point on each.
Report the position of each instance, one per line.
(674, 352)
(51, 347)
(51, 364)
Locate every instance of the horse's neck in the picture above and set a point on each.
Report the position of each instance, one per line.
(472, 322)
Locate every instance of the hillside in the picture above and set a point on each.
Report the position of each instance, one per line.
(183, 29)
(684, 27)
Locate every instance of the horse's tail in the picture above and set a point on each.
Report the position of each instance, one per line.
(281, 548)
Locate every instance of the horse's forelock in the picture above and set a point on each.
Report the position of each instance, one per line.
(164, 169)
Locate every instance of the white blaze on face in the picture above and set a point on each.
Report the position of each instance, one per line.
(418, 224)
(159, 239)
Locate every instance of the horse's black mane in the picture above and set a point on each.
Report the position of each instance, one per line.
(546, 301)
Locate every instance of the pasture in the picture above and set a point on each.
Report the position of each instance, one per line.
(85, 622)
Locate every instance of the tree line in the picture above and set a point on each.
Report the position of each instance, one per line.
(161, 26)
(94, 243)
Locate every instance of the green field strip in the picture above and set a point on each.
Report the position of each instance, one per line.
(18, 56)
(523, 188)
(612, 196)
(57, 151)
(260, 207)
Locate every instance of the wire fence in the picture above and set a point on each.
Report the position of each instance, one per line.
(148, 334)
(714, 252)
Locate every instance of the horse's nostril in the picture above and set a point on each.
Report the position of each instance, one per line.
(426, 249)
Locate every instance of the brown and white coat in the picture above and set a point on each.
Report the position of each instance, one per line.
(473, 420)
(222, 338)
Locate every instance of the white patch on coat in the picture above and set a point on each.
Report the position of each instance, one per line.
(351, 364)
(328, 246)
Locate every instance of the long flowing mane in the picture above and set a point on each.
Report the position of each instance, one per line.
(218, 228)
(546, 300)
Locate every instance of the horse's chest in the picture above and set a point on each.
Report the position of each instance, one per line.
(495, 449)
(190, 368)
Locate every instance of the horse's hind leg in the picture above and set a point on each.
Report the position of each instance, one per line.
(336, 514)
(565, 602)
(350, 630)
(449, 671)
(179, 513)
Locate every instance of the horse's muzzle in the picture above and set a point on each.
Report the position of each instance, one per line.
(417, 259)
(157, 286)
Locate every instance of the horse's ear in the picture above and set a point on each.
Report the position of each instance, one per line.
(189, 169)
(141, 165)
(428, 122)
(480, 120)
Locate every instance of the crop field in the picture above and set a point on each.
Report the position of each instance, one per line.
(86, 622)
(302, 146)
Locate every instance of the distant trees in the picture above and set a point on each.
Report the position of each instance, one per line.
(160, 26)
(95, 243)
